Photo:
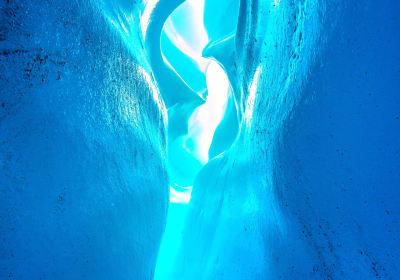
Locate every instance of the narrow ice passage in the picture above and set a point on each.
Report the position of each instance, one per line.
(197, 92)
(193, 122)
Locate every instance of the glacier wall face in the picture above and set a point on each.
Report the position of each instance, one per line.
(339, 157)
(84, 189)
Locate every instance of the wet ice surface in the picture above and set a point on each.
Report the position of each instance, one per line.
(82, 144)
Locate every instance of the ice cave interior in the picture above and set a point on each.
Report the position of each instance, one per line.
(203, 126)
(199, 139)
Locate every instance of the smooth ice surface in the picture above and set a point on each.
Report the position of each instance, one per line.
(279, 118)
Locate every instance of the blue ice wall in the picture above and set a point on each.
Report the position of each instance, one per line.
(339, 155)
(83, 188)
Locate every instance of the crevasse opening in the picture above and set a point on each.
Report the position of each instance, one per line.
(200, 104)
(193, 122)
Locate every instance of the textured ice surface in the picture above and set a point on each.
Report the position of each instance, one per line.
(301, 180)
(83, 191)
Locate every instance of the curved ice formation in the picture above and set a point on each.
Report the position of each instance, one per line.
(176, 45)
(175, 89)
(240, 198)
(255, 212)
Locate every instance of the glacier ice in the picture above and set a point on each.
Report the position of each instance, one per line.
(307, 190)
(82, 143)
(199, 139)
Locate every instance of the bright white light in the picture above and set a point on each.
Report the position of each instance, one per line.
(252, 96)
(153, 90)
(179, 195)
(145, 18)
(205, 119)
(203, 123)
(190, 38)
